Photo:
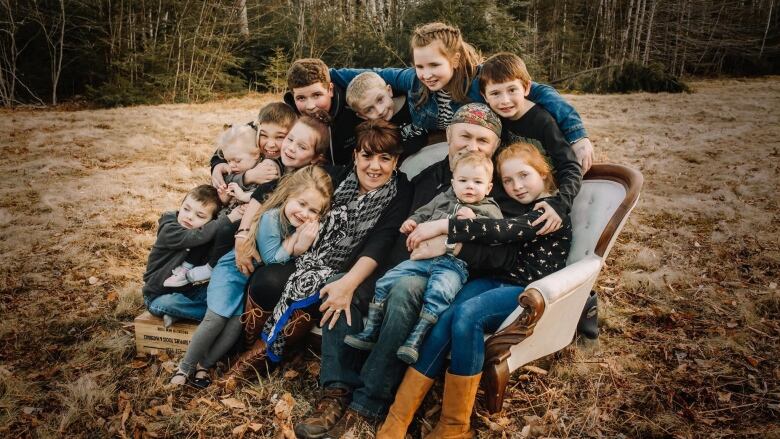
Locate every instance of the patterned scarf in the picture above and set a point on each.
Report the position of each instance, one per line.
(343, 229)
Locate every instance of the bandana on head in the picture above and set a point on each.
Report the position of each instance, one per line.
(478, 114)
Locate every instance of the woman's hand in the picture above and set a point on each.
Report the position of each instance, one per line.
(550, 217)
(583, 149)
(246, 254)
(218, 175)
(263, 172)
(337, 297)
(432, 248)
(426, 231)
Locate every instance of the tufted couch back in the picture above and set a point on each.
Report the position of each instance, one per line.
(592, 209)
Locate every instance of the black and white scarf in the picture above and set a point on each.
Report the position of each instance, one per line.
(343, 229)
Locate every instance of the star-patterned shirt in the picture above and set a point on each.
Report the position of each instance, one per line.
(535, 256)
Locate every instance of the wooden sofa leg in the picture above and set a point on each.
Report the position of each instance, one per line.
(495, 378)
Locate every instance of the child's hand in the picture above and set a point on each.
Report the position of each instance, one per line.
(583, 149)
(224, 195)
(307, 233)
(235, 191)
(553, 220)
(218, 175)
(465, 213)
(265, 171)
(408, 226)
(237, 213)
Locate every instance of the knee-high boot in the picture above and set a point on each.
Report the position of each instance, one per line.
(460, 393)
(408, 398)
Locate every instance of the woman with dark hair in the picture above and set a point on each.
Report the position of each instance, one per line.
(371, 199)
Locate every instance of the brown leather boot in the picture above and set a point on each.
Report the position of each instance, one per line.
(408, 398)
(329, 410)
(252, 320)
(459, 395)
(255, 359)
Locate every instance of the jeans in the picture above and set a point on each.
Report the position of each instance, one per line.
(374, 384)
(190, 306)
(446, 275)
(481, 306)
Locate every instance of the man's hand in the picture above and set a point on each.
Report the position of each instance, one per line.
(426, 231)
(550, 217)
(408, 226)
(583, 149)
(465, 213)
(218, 175)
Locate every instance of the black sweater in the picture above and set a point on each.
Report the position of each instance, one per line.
(173, 243)
(538, 128)
(524, 256)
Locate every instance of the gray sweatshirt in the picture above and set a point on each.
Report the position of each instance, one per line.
(446, 205)
(171, 248)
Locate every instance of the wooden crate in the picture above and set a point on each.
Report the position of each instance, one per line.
(151, 337)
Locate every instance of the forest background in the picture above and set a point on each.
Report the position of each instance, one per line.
(124, 52)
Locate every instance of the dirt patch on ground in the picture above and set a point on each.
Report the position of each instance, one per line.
(689, 299)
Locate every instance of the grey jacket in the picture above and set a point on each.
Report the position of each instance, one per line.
(171, 248)
(446, 205)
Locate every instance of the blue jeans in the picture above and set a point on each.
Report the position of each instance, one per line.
(481, 306)
(190, 306)
(226, 287)
(374, 379)
(446, 275)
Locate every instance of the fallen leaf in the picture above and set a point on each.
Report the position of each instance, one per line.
(772, 285)
(313, 368)
(169, 366)
(534, 369)
(254, 426)
(290, 374)
(287, 432)
(753, 362)
(92, 280)
(240, 430)
(233, 403)
(724, 396)
(732, 325)
(138, 363)
(30, 410)
(284, 406)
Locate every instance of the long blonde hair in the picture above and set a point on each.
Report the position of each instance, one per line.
(453, 45)
(292, 184)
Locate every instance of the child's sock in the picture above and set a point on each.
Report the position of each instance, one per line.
(200, 273)
(179, 276)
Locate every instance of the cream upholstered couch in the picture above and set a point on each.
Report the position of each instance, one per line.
(549, 309)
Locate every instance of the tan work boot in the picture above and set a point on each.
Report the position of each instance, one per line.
(408, 398)
(459, 395)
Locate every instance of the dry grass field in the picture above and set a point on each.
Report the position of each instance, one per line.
(689, 301)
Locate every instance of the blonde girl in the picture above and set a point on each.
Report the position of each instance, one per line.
(307, 142)
(284, 227)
